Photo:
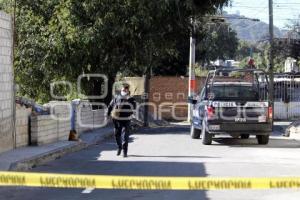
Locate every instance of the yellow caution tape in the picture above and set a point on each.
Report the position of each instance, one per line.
(143, 183)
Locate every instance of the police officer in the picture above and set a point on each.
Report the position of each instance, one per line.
(121, 109)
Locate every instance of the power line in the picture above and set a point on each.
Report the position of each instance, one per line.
(259, 11)
(286, 3)
(275, 3)
(246, 18)
(288, 10)
(259, 7)
(247, 6)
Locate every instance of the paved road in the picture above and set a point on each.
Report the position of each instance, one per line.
(171, 152)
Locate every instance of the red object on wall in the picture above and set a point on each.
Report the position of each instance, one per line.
(193, 85)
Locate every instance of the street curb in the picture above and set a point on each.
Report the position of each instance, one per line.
(41, 159)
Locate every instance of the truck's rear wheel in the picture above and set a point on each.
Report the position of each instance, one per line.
(206, 137)
(195, 133)
(263, 139)
(245, 136)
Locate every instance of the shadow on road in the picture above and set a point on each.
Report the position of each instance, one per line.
(146, 156)
(165, 130)
(273, 143)
(88, 162)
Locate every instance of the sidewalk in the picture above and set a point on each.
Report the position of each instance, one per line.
(25, 158)
(293, 130)
(282, 126)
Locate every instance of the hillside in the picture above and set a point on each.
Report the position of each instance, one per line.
(251, 30)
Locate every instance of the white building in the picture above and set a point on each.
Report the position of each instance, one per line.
(291, 65)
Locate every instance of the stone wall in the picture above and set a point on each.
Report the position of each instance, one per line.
(6, 84)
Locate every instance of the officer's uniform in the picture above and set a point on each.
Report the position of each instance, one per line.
(121, 108)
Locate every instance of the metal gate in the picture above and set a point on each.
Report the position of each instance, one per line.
(286, 97)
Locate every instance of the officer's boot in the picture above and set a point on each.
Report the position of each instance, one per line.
(125, 153)
(125, 150)
(119, 152)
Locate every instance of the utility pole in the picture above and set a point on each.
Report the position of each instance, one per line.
(192, 60)
(13, 25)
(271, 57)
(146, 98)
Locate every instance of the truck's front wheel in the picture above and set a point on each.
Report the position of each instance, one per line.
(206, 137)
(195, 133)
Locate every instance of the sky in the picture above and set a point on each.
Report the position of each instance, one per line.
(284, 10)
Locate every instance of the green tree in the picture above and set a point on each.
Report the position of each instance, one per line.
(294, 27)
(260, 53)
(219, 42)
(245, 49)
(62, 39)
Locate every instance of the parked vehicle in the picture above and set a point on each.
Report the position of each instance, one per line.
(233, 102)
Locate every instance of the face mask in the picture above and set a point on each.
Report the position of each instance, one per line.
(123, 93)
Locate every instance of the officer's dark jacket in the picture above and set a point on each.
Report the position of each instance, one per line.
(127, 105)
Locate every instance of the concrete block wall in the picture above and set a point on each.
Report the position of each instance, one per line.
(6, 84)
(61, 110)
(45, 129)
(22, 125)
(88, 119)
(99, 118)
(84, 118)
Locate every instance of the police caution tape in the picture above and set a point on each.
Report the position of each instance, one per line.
(143, 183)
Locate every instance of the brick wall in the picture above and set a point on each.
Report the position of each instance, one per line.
(6, 84)
(170, 94)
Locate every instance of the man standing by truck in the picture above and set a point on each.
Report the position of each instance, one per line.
(121, 109)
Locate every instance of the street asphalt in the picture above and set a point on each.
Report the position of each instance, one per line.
(171, 152)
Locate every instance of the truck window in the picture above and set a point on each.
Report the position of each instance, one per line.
(230, 92)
